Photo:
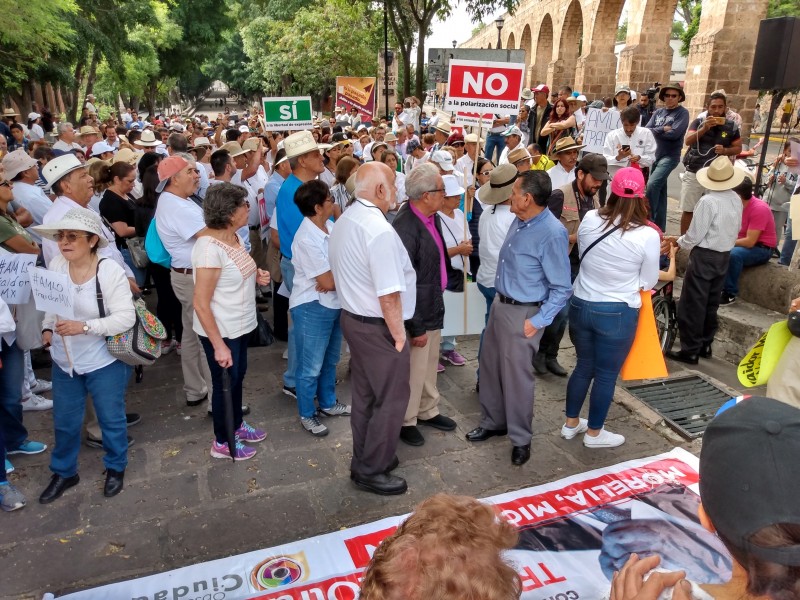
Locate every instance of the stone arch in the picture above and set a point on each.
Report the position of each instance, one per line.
(570, 45)
(647, 55)
(510, 42)
(525, 44)
(544, 52)
(596, 74)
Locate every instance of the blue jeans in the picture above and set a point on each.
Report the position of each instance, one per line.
(603, 333)
(488, 293)
(140, 275)
(11, 427)
(287, 269)
(657, 189)
(495, 142)
(788, 246)
(238, 348)
(107, 386)
(740, 258)
(318, 339)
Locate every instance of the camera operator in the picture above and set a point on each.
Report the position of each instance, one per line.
(647, 103)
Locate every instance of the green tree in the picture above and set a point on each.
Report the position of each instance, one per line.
(622, 31)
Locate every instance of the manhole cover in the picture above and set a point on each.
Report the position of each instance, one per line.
(688, 403)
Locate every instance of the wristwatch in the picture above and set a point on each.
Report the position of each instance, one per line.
(85, 328)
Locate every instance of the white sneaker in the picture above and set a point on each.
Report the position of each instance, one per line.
(604, 439)
(168, 346)
(285, 355)
(570, 432)
(42, 385)
(35, 402)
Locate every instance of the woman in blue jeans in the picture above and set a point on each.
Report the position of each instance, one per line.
(82, 364)
(315, 310)
(619, 257)
(225, 278)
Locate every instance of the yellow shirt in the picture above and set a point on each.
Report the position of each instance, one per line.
(543, 164)
(788, 108)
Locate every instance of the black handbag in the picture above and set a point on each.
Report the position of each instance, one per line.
(262, 335)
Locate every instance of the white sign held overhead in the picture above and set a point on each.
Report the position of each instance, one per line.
(494, 87)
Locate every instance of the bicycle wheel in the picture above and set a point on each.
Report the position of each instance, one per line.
(666, 321)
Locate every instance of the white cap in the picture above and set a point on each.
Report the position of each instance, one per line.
(451, 186)
(244, 129)
(100, 147)
(33, 116)
(444, 159)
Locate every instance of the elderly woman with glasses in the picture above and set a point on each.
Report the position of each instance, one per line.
(225, 277)
(82, 364)
(315, 310)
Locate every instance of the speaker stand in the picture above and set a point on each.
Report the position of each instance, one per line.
(777, 97)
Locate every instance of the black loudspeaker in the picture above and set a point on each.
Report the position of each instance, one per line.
(776, 63)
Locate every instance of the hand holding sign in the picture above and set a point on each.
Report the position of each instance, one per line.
(52, 292)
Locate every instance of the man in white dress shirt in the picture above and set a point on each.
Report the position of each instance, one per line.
(377, 288)
(630, 144)
(565, 154)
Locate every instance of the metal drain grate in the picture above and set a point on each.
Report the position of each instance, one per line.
(688, 403)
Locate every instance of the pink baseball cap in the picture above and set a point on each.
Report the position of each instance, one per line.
(628, 183)
(167, 168)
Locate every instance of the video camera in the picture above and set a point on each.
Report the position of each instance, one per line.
(652, 91)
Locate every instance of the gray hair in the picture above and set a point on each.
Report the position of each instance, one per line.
(221, 201)
(421, 179)
(293, 162)
(62, 127)
(178, 142)
(187, 157)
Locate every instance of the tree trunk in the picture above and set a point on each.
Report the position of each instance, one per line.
(92, 72)
(23, 100)
(423, 28)
(72, 101)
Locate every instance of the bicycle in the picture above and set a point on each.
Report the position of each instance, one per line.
(666, 314)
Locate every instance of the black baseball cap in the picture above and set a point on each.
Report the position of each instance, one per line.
(596, 165)
(750, 474)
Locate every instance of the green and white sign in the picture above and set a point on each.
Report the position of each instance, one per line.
(288, 112)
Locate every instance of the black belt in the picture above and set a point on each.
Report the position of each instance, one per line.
(760, 245)
(367, 320)
(182, 271)
(507, 300)
(255, 227)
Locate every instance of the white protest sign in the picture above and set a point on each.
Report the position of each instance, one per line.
(596, 128)
(454, 323)
(15, 284)
(471, 119)
(52, 292)
(494, 87)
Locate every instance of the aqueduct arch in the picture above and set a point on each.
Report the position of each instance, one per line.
(572, 42)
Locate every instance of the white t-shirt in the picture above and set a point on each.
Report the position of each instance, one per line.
(34, 200)
(36, 132)
(310, 260)
(559, 176)
(234, 301)
(65, 147)
(329, 177)
(493, 228)
(618, 266)
(178, 220)
(453, 233)
(369, 260)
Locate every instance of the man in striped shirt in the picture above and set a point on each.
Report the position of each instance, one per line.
(710, 238)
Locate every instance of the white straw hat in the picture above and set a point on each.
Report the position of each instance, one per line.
(61, 166)
(76, 219)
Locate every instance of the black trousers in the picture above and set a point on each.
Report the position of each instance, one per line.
(702, 286)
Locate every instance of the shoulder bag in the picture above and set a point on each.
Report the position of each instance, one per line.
(597, 241)
(139, 345)
(154, 247)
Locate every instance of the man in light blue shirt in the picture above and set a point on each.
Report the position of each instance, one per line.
(533, 284)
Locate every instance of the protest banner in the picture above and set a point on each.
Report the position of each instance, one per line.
(473, 119)
(358, 92)
(596, 128)
(52, 292)
(15, 284)
(291, 112)
(574, 533)
(494, 87)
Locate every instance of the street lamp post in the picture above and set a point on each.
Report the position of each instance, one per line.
(454, 44)
(499, 22)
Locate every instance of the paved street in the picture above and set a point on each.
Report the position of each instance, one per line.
(180, 506)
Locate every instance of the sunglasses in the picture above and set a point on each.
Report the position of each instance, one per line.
(485, 173)
(71, 237)
(672, 95)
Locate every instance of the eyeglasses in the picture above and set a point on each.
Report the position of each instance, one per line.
(672, 95)
(71, 237)
(434, 191)
(5, 183)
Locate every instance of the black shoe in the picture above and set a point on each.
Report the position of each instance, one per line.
(521, 454)
(540, 364)
(477, 387)
(139, 370)
(132, 418)
(683, 356)
(479, 434)
(290, 391)
(705, 351)
(555, 368)
(383, 484)
(439, 422)
(113, 484)
(58, 485)
(95, 443)
(726, 299)
(394, 464)
(411, 435)
(197, 402)
(245, 410)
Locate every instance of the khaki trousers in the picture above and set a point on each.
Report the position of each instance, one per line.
(424, 400)
(196, 374)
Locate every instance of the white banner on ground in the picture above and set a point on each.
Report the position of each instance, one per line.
(52, 292)
(454, 311)
(574, 533)
(15, 283)
(596, 128)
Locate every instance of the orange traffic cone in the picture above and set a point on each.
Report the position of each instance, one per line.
(645, 360)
